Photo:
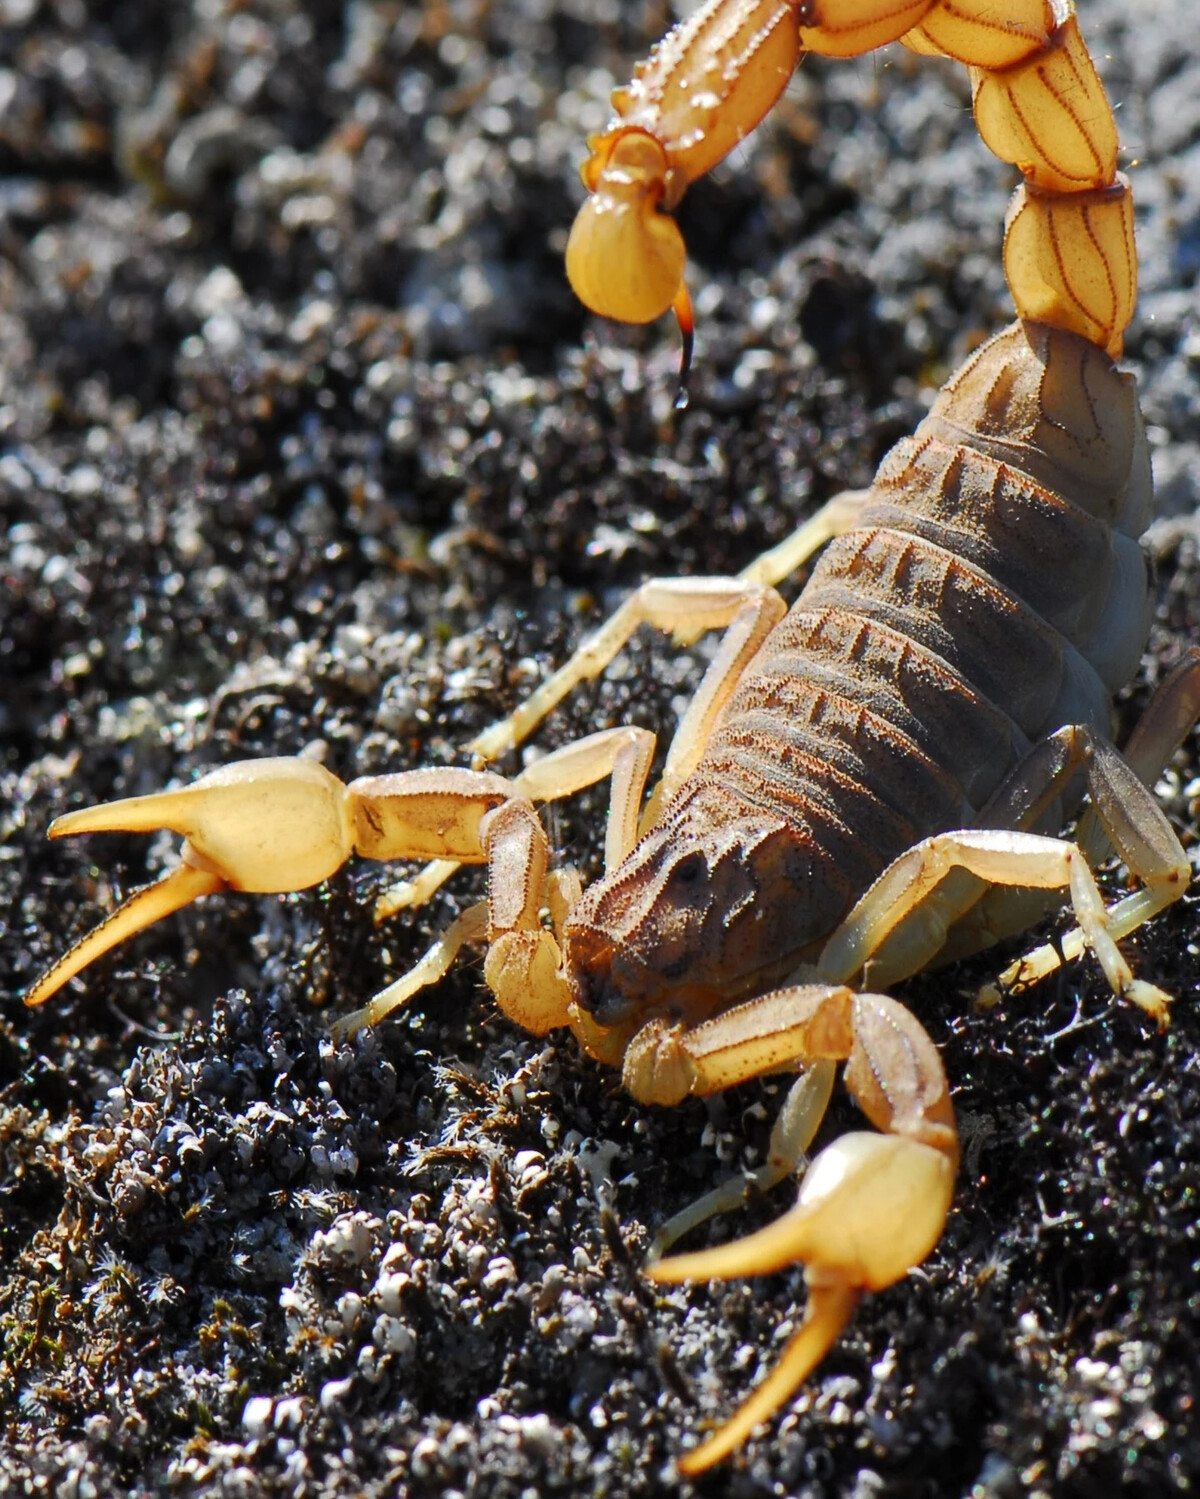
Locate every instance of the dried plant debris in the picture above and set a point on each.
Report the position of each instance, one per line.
(304, 445)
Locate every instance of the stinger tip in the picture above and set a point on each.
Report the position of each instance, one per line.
(684, 316)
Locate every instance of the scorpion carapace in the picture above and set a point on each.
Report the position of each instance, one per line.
(861, 785)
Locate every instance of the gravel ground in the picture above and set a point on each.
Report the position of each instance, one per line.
(306, 447)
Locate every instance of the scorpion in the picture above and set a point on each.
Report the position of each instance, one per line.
(864, 784)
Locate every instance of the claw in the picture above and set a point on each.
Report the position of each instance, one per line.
(144, 907)
(261, 825)
(829, 1309)
(871, 1207)
(270, 826)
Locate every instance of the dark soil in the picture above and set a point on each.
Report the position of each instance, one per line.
(305, 446)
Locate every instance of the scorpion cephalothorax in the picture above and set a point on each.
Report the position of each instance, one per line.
(863, 784)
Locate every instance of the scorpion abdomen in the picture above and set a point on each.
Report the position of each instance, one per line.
(971, 611)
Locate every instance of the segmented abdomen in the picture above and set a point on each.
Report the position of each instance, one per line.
(993, 591)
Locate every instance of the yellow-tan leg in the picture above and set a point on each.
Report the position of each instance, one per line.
(871, 1206)
(961, 915)
(746, 607)
(1131, 818)
(471, 926)
(624, 754)
(739, 645)
(688, 607)
(519, 863)
(1169, 717)
(837, 516)
(670, 604)
(795, 1126)
(407, 895)
(975, 917)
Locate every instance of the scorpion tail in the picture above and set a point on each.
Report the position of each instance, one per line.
(625, 259)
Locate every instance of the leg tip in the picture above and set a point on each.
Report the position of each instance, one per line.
(1154, 1001)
